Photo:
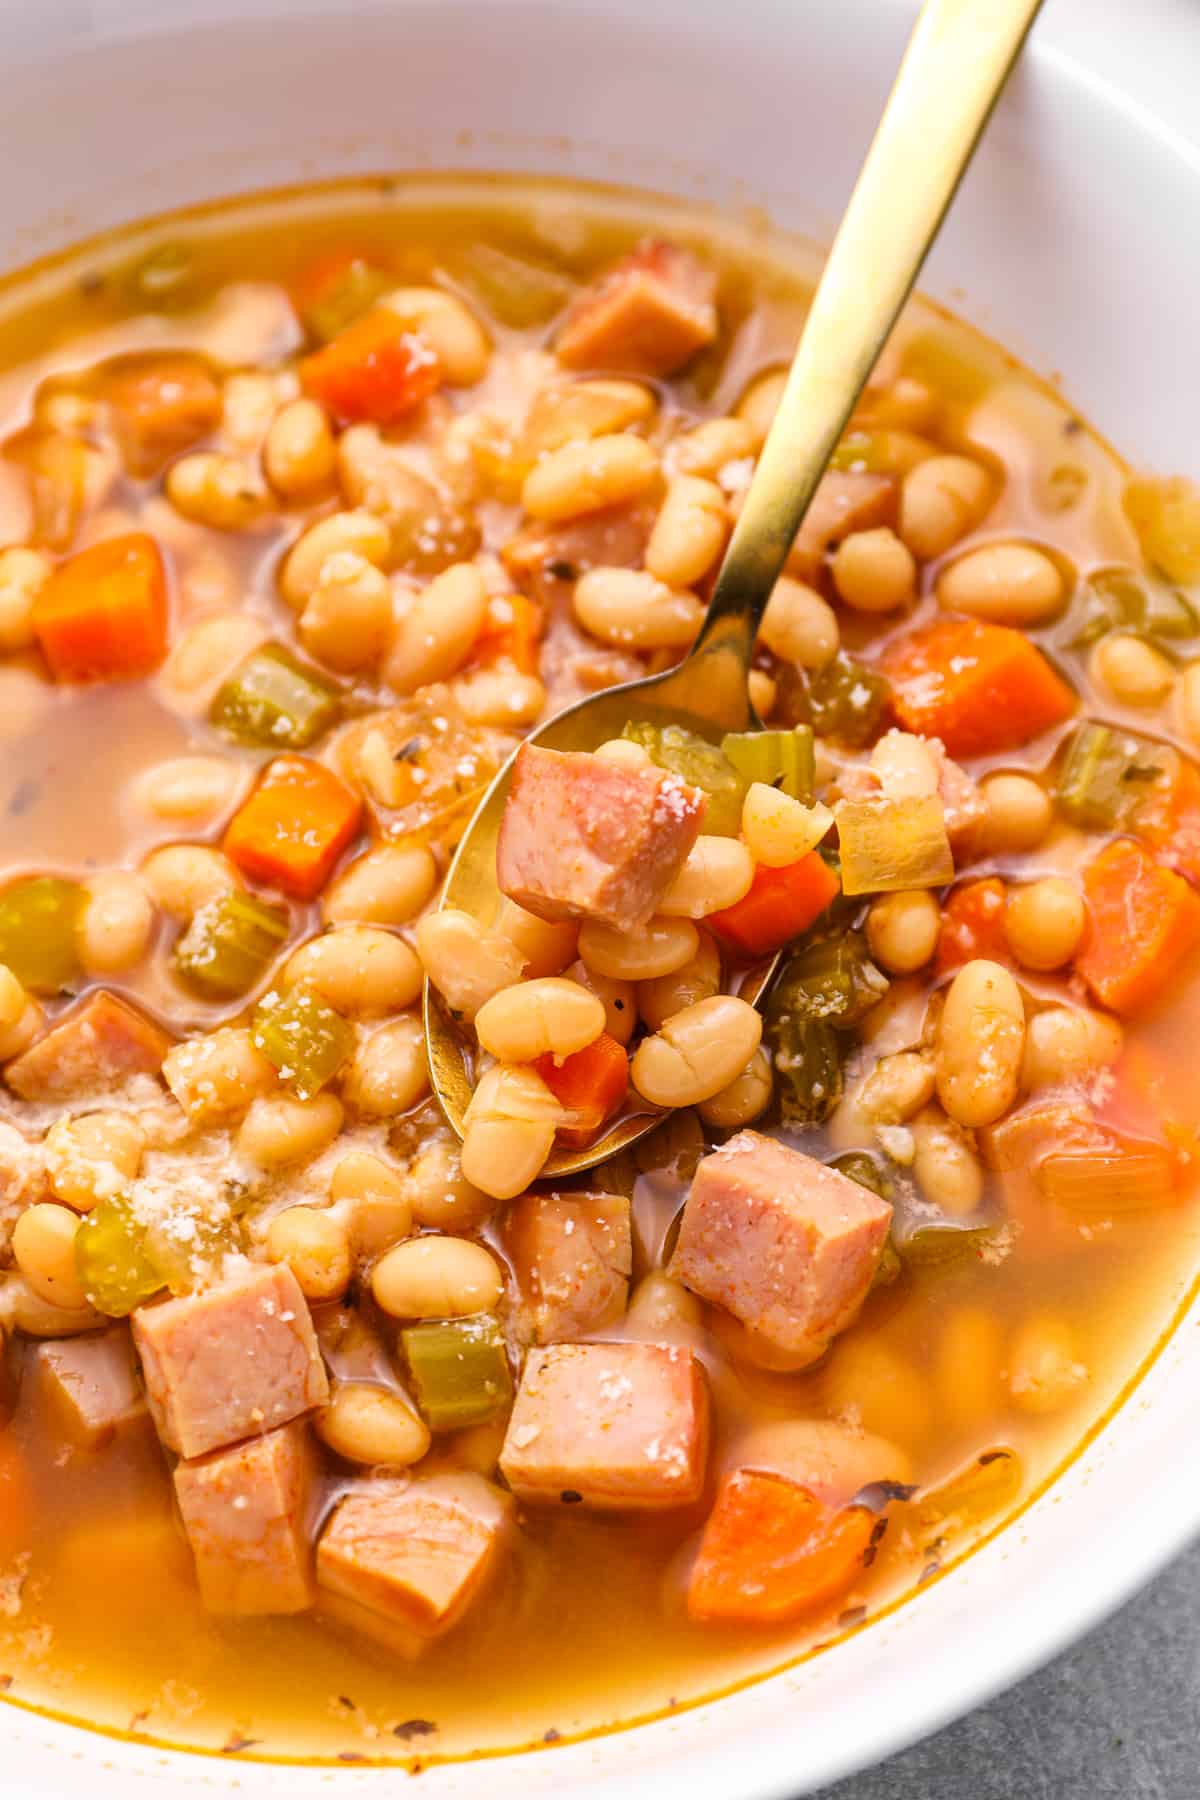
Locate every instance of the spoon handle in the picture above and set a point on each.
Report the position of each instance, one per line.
(953, 70)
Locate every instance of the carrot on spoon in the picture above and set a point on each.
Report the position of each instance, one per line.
(780, 905)
(591, 1084)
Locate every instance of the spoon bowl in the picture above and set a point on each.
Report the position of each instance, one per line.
(955, 66)
(707, 695)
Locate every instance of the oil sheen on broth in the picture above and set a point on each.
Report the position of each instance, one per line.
(100, 1619)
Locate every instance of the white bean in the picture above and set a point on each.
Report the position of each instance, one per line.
(981, 1040)
(465, 963)
(660, 948)
(697, 1053)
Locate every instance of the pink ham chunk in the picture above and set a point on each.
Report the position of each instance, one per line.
(231, 1362)
(582, 838)
(247, 1514)
(613, 1425)
(98, 1045)
(413, 1555)
(786, 1244)
(846, 500)
(91, 1385)
(646, 316)
(572, 1255)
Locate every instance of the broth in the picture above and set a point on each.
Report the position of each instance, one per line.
(100, 1617)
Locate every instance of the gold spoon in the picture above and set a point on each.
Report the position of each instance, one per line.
(953, 70)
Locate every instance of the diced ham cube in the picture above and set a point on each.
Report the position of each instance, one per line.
(247, 1514)
(646, 316)
(91, 1384)
(544, 560)
(98, 1045)
(414, 1554)
(231, 1362)
(572, 1255)
(846, 500)
(786, 1244)
(613, 1425)
(582, 838)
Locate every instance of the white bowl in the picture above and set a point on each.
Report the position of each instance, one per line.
(1074, 243)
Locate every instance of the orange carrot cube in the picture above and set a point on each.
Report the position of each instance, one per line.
(771, 1550)
(292, 829)
(102, 616)
(980, 688)
(1143, 921)
(375, 370)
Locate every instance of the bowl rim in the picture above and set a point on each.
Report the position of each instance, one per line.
(757, 1766)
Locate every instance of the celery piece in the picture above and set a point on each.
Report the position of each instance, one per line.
(861, 1166)
(517, 291)
(807, 1057)
(459, 1369)
(844, 700)
(1142, 604)
(272, 700)
(345, 297)
(1107, 774)
(888, 846)
(1168, 614)
(1122, 599)
(700, 764)
(114, 1266)
(230, 944)
(782, 759)
(930, 1241)
(185, 1263)
(832, 978)
(38, 918)
(829, 983)
(304, 1037)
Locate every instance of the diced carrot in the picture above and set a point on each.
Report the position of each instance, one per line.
(17, 1504)
(102, 616)
(291, 830)
(162, 405)
(512, 632)
(1145, 1095)
(592, 1084)
(972, 925)
(772, 1550)
(780, 905)
(1169, 820)
(1143, 920)
(374, 370)
(980, 688)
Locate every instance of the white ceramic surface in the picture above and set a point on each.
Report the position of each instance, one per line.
(1074, 243)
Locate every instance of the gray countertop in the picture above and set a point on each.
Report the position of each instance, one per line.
(1117, 1718)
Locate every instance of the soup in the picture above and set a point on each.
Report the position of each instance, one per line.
(327, 1436)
